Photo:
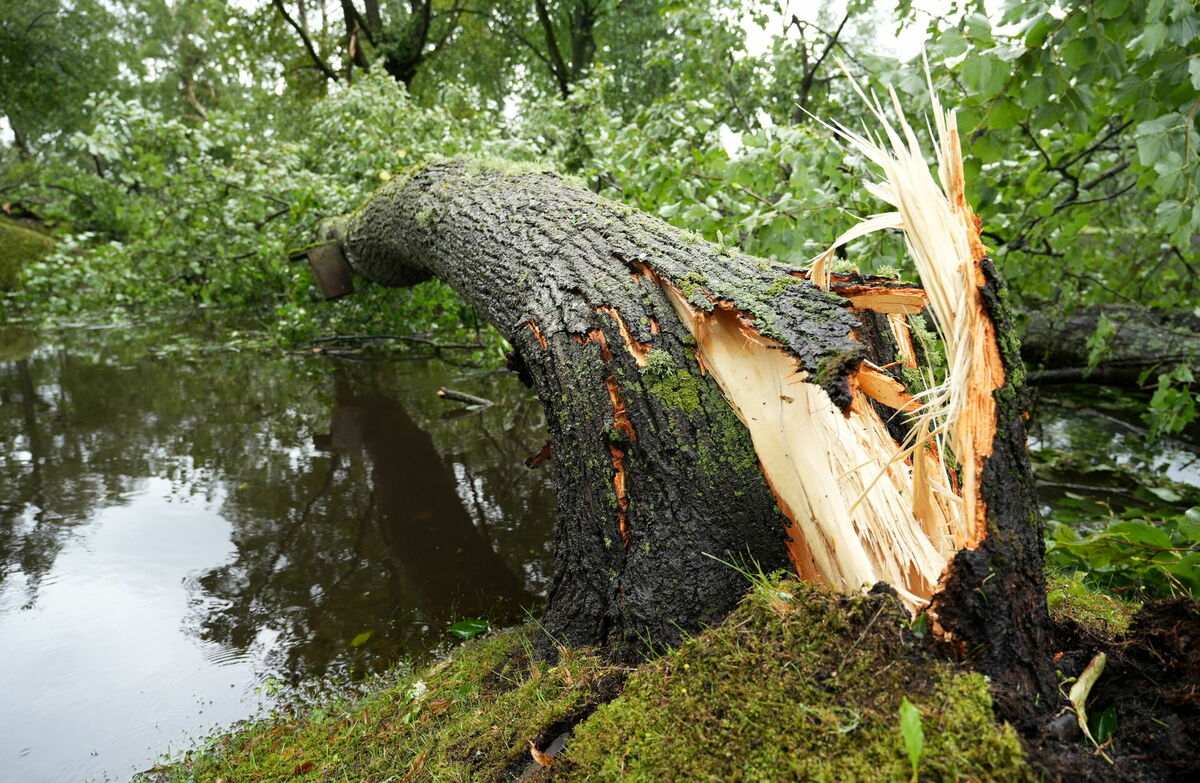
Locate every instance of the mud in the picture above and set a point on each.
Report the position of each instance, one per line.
(1152, 680)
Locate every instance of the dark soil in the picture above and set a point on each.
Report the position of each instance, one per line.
(1152, 679)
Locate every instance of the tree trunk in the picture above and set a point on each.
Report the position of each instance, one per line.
(1144, 342)
(707, 406)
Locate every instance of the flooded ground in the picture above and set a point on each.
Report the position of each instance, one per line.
(1093, 456)
(183, 531)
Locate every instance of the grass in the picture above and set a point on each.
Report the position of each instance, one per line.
(795, 684)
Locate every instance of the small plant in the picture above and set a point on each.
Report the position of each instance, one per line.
(1155, 555)
(469, 629)
(914, 736)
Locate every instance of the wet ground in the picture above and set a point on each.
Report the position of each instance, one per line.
(187, 529)
(184, 531)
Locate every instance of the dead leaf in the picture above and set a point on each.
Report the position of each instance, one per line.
(543, 759)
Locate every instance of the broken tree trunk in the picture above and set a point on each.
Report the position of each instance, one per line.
(707, 406)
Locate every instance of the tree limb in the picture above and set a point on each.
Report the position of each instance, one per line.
(321, 65)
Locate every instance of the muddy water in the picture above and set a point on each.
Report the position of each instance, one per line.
(183, 530)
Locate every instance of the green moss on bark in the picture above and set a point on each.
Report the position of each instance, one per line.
(679, 389)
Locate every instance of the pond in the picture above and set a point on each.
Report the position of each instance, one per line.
(184, 531)
(1093, 455)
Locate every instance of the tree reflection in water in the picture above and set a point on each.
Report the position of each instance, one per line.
(357, 505)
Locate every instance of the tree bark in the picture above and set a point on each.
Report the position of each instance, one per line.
(613, 312)
(1144, 341)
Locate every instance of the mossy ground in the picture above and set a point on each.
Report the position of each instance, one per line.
(794, 685)
(1070, 598)
(19, 246)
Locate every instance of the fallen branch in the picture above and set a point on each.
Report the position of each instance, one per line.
(469, 399)
(364, 338)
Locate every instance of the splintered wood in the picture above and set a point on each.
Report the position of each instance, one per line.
(851, 505)
(862, 507)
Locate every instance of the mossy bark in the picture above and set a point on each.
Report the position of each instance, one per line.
(655, 471)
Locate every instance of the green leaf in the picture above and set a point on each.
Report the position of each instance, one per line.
(1188, 525)
(1078, 51)
(1036, 36)
(361, 639)
(988, 148)
(1099, 341)
(1111, 9)
(469, 629)
(952, 43)
(1137, 532)
(1170, 215)
(910, 730)
(1153, 37)
(1103, 724)
(984, 74)
(1194, 71)
(1005, 114)
(1035, 91)
(1166, 494)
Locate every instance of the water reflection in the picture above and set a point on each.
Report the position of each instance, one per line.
(374, 486)
(293, 517)
(1093, 456)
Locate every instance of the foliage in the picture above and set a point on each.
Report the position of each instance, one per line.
(53, 54)
(1146, 555)
(1081, 124)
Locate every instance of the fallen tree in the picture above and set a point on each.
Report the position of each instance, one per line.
(706, 406)
(1143, 343)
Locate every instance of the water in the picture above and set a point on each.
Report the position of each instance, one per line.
(183, 530)
(1093, 456)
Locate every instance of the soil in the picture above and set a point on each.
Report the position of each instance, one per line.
(1152, 679)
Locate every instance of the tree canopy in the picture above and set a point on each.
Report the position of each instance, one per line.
(177, 150)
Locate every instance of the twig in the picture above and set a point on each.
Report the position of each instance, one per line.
(362, 338)
(469, 399)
